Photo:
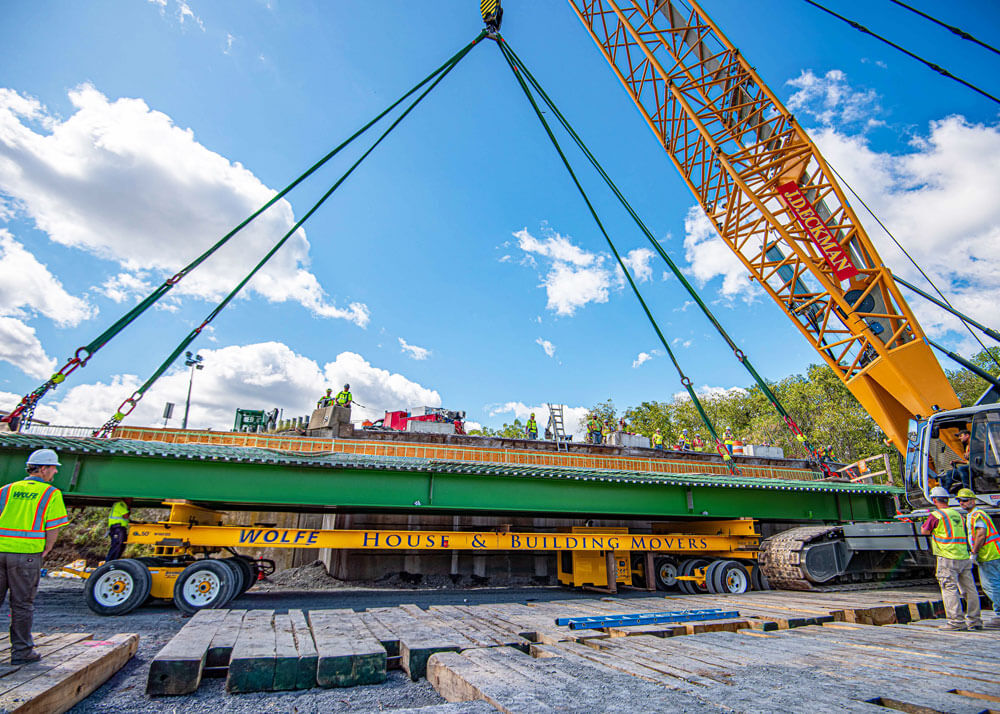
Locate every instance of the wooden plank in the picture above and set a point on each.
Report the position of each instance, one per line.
(221, 648)
(177, 668)
(251, 667)
(420, 636)
(305, 677)
(286, 654)
(59, 686)
(54, 649)
(347, 652)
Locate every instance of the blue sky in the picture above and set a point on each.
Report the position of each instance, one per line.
(457, 266)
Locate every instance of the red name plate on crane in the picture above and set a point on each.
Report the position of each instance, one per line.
(836, 257)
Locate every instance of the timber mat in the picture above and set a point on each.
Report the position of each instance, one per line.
(72, 666)
(260, 650)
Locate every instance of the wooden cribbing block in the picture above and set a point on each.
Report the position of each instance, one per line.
(347, 653)
(58, 682)
(221, 648)
(177, 668)
(305, 677)
(286, 654)
(251, 667)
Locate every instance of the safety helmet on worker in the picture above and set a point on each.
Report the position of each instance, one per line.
(940, 492)
(965, 493)
(43, 457)
(685, 432)
(347, 386)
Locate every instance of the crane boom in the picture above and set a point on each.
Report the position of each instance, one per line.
(774, 201)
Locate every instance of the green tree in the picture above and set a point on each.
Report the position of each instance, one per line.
(604, 411)
(968, 385)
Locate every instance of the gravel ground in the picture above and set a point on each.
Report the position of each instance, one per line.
(60, 607)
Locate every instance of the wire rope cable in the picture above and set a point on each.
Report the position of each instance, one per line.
(936, 67)
(951, 28)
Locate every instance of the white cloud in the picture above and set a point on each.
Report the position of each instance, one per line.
(27, 287)
(709, 257)
(20, 347)
(830, 99)
(939, 200)
(707, 392)
(184, 13)
(256, 376)
(571, 415)
(550, 349)
(122, 182)
(638, 262)
(556, 246)
(681, 342)
(569, 288)
(641, 359)
(418, 353)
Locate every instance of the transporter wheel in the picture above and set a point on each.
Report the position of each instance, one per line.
(639, 574)
(204, 584)
(758, 579)
(665, 571)
(245, 566)
(687, 568)
(239, 577)
(118, 587)
(727, 576)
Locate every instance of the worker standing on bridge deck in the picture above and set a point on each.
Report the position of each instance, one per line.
(984, 544)
(593, 430)
(946, 527)
(118, 529)
(658, 440)
(531, 429)
(31, 511)
(345, 398)
(326, 400)
(697, 444)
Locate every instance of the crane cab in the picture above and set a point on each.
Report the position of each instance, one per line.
(934, 455)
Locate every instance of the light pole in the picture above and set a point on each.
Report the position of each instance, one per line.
(194, 362)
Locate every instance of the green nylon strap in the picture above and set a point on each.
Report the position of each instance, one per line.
(652, 321)
(737, 352)
(191, 336)
(84, 354)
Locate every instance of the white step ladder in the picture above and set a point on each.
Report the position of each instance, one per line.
(555, 425)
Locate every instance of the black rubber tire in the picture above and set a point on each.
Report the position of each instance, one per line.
(118, 587)
(758, 579)
(665, 573)
(249, 572)
(639, 574)
(727, 577)
(239, 577)
(687, 568)
(205, 584)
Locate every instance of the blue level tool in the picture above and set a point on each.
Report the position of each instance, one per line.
(645, 618)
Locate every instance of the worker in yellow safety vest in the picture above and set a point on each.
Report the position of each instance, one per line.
(685, 442)
(594, 430)
(118, 529)
(658, 440)
(984, 545)
(606, 431)
(344, 398)
(326, 400)
(728, 440)
(31, 512)
(532, 427)
(946, 527)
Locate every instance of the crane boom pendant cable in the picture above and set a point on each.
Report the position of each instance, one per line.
(737, 352)
(727, 458)
(130, 403)
(26, 407)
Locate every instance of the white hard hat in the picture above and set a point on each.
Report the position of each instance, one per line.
(940, 492)
(43, 457)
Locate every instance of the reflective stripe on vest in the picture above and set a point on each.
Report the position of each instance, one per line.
(945, 541)
(118, 514)
(990, 550)
(20, 519)
(343, 398)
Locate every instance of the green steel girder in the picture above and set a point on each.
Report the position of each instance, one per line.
(98, 471)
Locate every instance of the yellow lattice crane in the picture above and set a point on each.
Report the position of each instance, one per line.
(774, 201)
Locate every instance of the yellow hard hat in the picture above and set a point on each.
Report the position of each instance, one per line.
(965, 493)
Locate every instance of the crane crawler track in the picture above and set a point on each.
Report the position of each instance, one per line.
(781, 560)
